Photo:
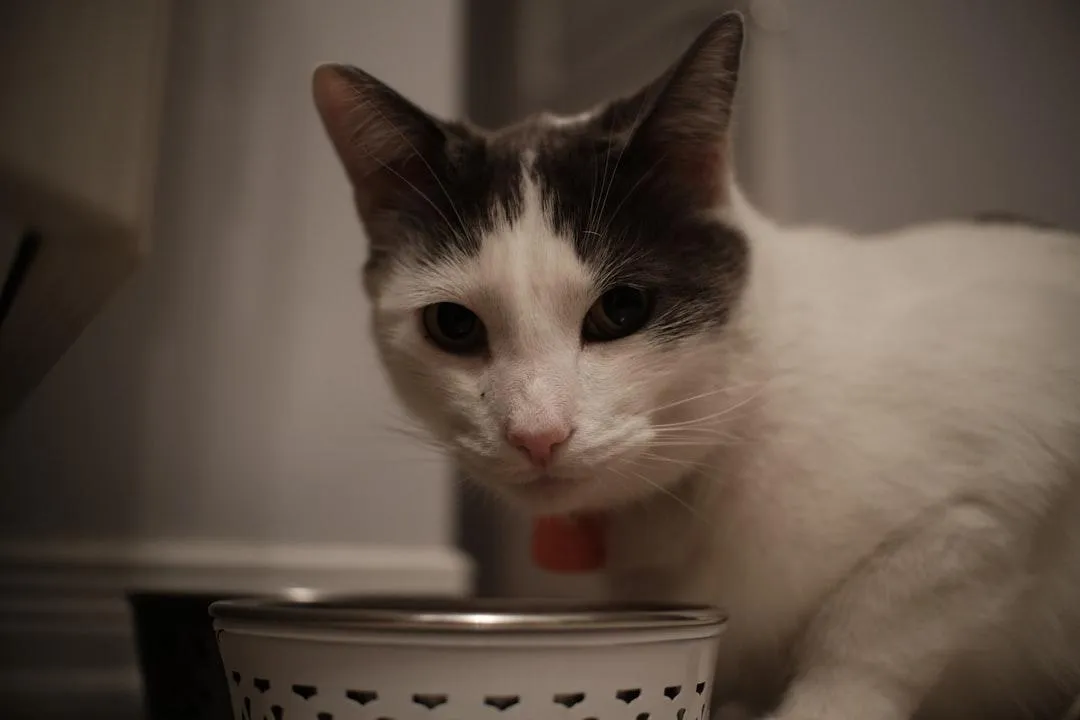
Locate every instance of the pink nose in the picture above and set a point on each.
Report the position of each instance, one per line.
(539, 445)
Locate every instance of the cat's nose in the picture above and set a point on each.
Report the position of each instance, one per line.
(539, 445)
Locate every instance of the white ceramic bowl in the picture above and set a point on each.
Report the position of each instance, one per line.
(433, 659)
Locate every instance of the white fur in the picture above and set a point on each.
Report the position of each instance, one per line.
(880, 474)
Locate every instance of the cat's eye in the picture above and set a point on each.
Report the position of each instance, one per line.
(621, 311)
(454, 328)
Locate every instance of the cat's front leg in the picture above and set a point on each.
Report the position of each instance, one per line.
(845, 693)
(881, 642)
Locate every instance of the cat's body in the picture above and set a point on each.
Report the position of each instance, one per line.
(867, 450)
(858, 435)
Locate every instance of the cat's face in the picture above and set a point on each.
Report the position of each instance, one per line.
(553, 300)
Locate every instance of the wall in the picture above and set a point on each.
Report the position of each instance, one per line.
(882, 114)
(231, 390)
(78, 154)
(226, 413)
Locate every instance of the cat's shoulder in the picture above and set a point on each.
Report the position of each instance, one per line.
(992, 231)
(982, 246)
(994, 218)
(993, 252)
(975, 291)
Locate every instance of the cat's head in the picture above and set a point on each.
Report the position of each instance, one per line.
(553, 300)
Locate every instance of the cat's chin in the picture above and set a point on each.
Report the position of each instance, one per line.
(554, 495)
(551, 494)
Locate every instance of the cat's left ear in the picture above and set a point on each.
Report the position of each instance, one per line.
(390, 148)
(688, 112)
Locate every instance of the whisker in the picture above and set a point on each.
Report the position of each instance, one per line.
(700, 396)
(656, 457)
(635, 186)
(603, 181)
(679, 440)
(422, 437)
(592, 201)
(638, 114)
(698, 430)
(665, 491)
(686, 445)
(608, 181)
(416, 190)
(720, 440)
(711, 416)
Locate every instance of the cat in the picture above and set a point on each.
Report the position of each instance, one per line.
(865, 449)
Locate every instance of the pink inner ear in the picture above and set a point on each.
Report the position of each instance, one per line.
(362, 118)
(335, 99)
(704, 170)
(689, 122)
(696, 172)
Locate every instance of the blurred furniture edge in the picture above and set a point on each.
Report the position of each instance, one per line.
(81, 85)
(66, 635)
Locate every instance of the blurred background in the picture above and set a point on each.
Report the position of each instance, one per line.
(190, 401)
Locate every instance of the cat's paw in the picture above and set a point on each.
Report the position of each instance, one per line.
(841, 695)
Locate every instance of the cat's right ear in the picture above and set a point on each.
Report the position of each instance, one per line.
(682, 119)
(388, 146)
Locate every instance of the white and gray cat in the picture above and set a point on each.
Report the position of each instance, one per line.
(867, 450)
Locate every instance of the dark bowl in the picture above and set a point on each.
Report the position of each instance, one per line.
(183, 677)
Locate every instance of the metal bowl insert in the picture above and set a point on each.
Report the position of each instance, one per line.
(442, 615)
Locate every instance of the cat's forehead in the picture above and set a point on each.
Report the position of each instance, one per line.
(480, 186)
(572, 164)
(550, 133)
(518, 263)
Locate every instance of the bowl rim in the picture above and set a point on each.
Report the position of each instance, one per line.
(460, 614)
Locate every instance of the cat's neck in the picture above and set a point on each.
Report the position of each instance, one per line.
(749, 368)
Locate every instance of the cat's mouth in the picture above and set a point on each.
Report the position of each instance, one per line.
(547, 488)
